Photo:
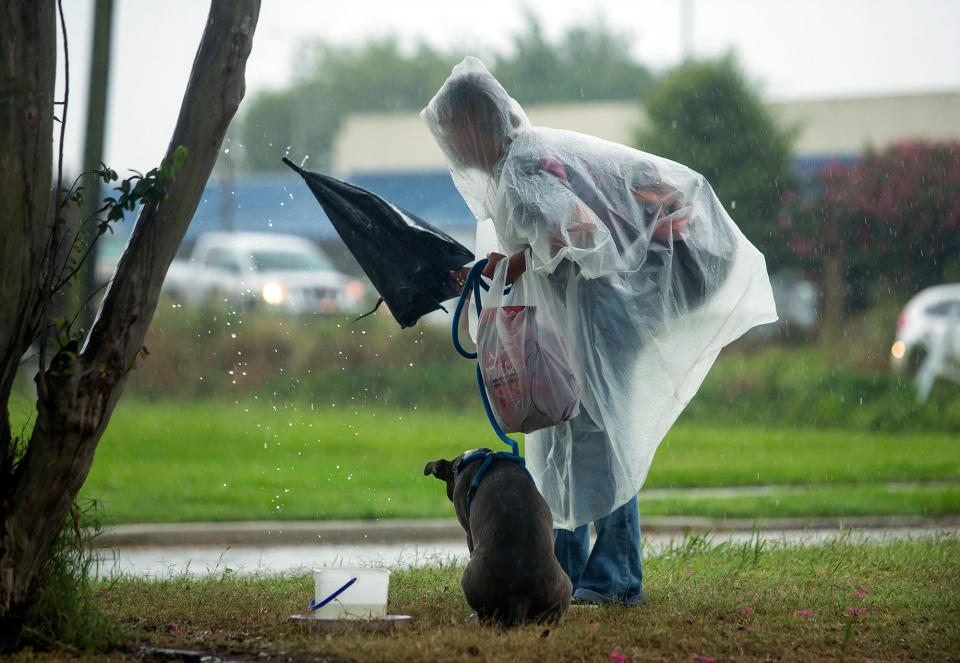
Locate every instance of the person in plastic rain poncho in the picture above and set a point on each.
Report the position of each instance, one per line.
(653, 278)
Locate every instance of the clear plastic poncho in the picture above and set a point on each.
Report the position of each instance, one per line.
(652, 276)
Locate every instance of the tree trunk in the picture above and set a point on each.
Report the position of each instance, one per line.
(834, 282)
(28, 60)
(77, 393)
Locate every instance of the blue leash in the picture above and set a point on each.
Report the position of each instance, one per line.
(473, 283)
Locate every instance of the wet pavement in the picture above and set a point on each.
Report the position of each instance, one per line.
(215, 548)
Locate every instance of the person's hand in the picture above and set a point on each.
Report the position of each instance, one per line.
(516, 265)
(493, 259)
(460, 277)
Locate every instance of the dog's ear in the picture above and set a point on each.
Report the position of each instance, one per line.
(442, 469)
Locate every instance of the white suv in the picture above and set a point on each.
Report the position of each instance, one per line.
(928, 332)
(282, 272)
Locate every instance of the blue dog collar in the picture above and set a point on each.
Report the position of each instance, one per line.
(488, 457)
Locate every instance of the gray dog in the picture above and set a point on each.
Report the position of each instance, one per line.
(513, 576)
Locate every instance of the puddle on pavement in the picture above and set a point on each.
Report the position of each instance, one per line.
(163, 562)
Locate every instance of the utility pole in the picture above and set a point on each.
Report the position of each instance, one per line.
(686, 28)
(93, 146)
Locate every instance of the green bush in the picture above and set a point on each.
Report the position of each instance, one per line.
(222, 353)
(839, 383)
(801, 388)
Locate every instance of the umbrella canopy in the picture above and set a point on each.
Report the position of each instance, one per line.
(407, 259)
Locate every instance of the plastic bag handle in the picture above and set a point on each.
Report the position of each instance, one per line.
(317, 606)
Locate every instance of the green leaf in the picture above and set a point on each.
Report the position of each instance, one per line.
(179, 157)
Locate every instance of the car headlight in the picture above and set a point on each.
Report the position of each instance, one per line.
(273, 293)
(353, 289)
(898, 350)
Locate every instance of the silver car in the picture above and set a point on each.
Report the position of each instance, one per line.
(282, 272)
(928, 335)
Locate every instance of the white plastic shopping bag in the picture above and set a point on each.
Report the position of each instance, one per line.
(523, 355)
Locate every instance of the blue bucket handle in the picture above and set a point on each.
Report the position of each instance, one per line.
(317, 606)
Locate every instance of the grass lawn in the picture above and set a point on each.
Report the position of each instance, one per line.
(169, 462)
(843, 600)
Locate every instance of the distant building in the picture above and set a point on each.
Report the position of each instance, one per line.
(394, 155)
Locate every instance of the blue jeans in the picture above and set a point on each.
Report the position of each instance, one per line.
(611, 572)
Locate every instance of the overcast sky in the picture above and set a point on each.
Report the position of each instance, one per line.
(792, 49)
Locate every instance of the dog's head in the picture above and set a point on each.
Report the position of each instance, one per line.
(446, 470)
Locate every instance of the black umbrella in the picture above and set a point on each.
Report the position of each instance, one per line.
(407, 260)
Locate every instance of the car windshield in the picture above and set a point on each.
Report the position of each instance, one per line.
(945, 307)
(298, 261)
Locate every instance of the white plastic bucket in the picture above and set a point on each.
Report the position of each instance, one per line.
(350, 593)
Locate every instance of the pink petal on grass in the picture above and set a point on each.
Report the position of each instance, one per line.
(746, 611)
(705, 659)
(617, 656)
(804, 613)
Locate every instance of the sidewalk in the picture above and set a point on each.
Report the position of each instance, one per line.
(432, 530)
